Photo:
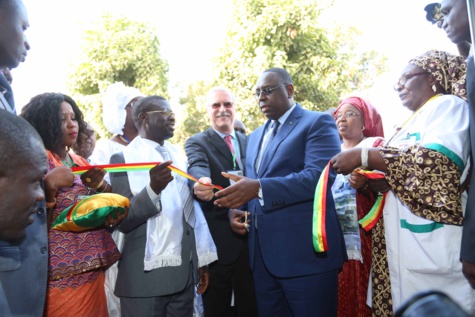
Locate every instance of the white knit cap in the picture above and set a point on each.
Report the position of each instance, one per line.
(114, 101)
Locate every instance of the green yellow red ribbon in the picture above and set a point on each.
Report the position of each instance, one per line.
(319, 233)
(370, 220)
(135, 167)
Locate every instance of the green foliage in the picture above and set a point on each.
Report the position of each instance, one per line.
(195, 119)
(116, 49)
(325, 64)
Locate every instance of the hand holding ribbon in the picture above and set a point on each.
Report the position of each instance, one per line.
(370, 220)
(130, 167)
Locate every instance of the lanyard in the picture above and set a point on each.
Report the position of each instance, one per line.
(232, 148)
(234, 153)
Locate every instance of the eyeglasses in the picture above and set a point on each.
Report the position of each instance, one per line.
(265, 91)
(166, 112)
(348, 114)
(404, 78)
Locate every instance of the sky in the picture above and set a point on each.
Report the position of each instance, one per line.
(191, 32)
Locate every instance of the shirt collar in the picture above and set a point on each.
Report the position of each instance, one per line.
(152, 143)
(222, 135)
(286, 114)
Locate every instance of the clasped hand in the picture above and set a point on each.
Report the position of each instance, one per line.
(237, 194)
(203, 192)
(60, 176)
(116, 218)
(93, 178)
(160, 176)
(236, 220)
(345, 162)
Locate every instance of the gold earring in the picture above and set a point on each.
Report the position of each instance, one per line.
(362, 128)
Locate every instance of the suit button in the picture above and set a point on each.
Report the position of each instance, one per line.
(40, 211)
(187, 232)
(43, 250)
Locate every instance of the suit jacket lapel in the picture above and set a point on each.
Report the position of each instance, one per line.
(286, 128)
(242, 151)
(257, 149)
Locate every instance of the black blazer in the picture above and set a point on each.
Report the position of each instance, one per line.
(468, 236)
(208, 156)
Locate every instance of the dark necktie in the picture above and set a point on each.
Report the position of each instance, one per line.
(274, 128)
(271, 134)
(7, 91)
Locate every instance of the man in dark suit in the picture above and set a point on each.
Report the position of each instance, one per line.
(284, 160)
(23, 262)
(456, 25)
(160, 253)
(221, 149)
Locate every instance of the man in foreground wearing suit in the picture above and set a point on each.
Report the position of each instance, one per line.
(161, 253)
(284, 160)
(456, 24)
(24, 262)
(22, 167)
(209, 153)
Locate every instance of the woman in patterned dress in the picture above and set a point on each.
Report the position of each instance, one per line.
(77, 260)
(417, 246)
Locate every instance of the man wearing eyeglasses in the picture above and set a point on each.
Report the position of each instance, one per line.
(284, 160)
(166, 237)
(221, 149)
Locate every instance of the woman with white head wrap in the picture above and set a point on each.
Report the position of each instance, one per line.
(117, 118)
(116, 115)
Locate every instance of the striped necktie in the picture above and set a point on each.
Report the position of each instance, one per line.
(183, 189)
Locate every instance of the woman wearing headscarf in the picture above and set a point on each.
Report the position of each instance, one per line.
(359, 125)
(117, 105)
(417, 246)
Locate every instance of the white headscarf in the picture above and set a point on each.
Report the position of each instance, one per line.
(114, 101)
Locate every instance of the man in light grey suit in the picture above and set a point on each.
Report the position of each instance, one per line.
(163, 286)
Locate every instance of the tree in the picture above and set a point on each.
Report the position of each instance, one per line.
(325, 64)
(194, 118)
(116, 49)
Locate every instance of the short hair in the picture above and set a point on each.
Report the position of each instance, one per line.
(144, 105)
(8, 5)
(282, 73)
(238, 122)
(215, 89)
(43, 112)
(15, 142)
